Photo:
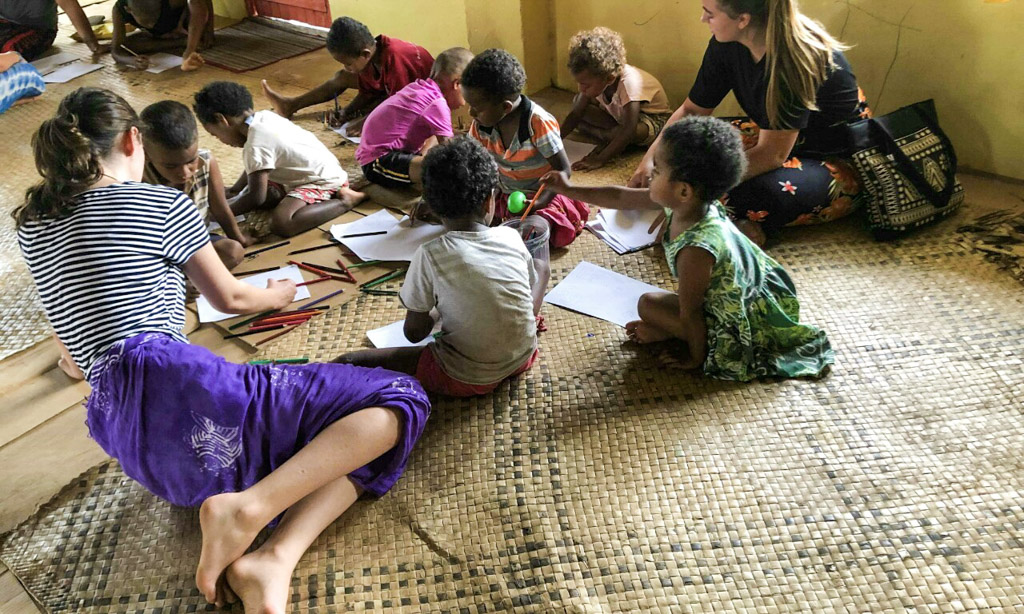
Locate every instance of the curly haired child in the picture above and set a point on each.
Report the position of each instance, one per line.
(522, 138)
(735, 309)
(618, 104)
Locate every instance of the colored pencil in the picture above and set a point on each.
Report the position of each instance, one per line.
(267, 248)
(129, 51)
(273, 325)
(313, 249)
(277, 334)
(303, 311)
(378, 281)
(254, 272)
(313, 269)
(348, 273)
(379, 292)
(251, 332)
(313, 281)
(247, 320)
(362, 264)
(322, 299)
(533, 201)
(324, 267)
(277, 319)
(292, 361)
(364, 234)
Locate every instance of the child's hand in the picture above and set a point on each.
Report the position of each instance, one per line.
(246, 239)
(284, 292)
(355, 127)
(139, 62)
(556, 181)
(642, 176)
(334, 119)
(587, 164)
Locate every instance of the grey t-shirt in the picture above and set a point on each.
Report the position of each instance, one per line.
(41, 14)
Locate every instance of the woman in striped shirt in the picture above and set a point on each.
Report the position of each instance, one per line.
(249, 443)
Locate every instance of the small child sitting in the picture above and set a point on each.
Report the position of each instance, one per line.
(523, 139)
(618, 104)
(396, 133)
(736, 308)
(286, 167)
(170, 138)
(378, 66)
(479, 279)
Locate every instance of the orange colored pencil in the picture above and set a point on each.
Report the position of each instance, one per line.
(533, 201)
(313, 281)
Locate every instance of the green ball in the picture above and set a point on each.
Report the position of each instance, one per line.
(516, 202)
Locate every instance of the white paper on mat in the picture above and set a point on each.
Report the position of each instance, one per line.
(625, 231)
(576, 150)
(343, 131)
(69, 72)
(600, 293)
(400, 242)
(393, 336)
(215, 226)
(50, 62)
(159, 62)
(208, 314)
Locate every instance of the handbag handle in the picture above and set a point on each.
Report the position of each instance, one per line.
(906, 165)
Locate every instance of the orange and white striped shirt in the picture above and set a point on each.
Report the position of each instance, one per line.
(524, 162)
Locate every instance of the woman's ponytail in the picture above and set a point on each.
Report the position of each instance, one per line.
(68, 149)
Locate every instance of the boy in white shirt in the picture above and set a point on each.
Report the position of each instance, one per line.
(286, 167)
(479, 279)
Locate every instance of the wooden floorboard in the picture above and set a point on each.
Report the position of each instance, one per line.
(13, 597)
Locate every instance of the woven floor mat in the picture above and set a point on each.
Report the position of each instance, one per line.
(600, 481)
(255, 42)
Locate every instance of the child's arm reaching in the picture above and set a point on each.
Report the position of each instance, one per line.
(255, 196)
(418, 325)
(622, 136)
(608, 197)
(117, 40)
(228, 294)
(575, 115)
(221, 210)
(560, 163)
(78, 19)
(356, 112)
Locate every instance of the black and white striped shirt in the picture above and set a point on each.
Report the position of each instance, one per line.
(112, 268)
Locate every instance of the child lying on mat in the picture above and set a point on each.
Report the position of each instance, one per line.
(396, 133)
(173, 158)
(378, 67)
(249, 443)
(523, 139)
(479, 279)
(736, 309)
(168, 21)
(618, 104)
(287, 168)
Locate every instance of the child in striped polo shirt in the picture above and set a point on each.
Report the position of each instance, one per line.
(522, 138)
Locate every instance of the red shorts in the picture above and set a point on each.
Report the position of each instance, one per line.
(566, 216)
(434, 379)
(310, 196)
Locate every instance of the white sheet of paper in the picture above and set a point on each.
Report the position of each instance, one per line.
(208, 314)
(45, 65)
(393, 336)
(69, 72)
(343, 131)
(159, 62)
(625, 231)
(214, 226)
(600, 293)
(400, 242)
(576, 150)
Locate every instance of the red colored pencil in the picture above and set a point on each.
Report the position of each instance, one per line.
(284, 318)
(351, 277)
(320, 272)
(269, 325)
(276, 335)
(313, 281)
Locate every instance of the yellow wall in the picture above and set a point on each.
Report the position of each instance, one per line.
(964, 53)
(234, 9)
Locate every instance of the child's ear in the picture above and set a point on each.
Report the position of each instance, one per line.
(506, 107)
(221, 120)
(489, 209)
(686, 191)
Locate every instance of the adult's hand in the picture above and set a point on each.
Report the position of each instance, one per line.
(642, 175)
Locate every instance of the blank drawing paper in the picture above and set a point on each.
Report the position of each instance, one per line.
(208, 314)
(399, 243)
(393, 336)
(626, 231)
(600, 293)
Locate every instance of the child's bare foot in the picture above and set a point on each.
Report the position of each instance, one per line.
(282, 105)
(642, 332)
(754, 232)
(194, 61)
(262, 581)
(229, 527)
(349, 197)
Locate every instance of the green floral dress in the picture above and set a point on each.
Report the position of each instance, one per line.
(751, 310)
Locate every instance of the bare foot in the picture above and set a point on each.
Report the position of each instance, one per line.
(642, 332)
(194, 61)
(262, 581)
(350, 197)
(228, 530)
(754, 232)
(282, 105)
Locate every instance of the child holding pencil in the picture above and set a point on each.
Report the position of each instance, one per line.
(736, 308)
(246, 442)
(479, 279)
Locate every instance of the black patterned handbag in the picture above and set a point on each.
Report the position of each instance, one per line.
(908, 166)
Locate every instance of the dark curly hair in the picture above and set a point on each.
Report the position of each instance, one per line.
(706, 153)
(224, 97)
(458, 177)
(170, 124)
(348, 37)
(495, 73)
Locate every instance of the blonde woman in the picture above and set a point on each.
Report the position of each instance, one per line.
(794, 84)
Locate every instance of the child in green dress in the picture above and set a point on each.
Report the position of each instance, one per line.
(736, 309)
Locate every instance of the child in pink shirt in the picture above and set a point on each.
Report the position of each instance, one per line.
(397, 133)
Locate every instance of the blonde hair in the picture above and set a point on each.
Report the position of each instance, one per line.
(800, 51)
(600, 52)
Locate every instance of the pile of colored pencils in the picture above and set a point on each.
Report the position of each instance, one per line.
(283, 321)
